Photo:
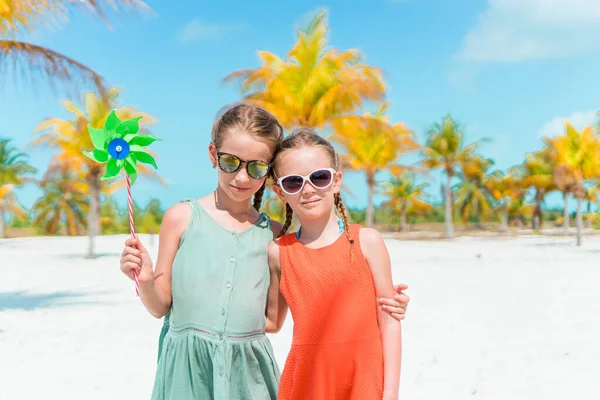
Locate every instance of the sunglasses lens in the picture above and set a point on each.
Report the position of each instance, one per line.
(321, 178)
(292, 184)
(258, 169)
(229, 163)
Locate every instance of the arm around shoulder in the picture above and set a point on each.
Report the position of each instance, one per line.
(276, 309)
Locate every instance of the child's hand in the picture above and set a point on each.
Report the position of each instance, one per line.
(396, 307)
(135, 257)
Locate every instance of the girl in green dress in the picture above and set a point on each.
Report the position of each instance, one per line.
(212, 282)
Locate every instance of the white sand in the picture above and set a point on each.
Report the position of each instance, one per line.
(489, 319)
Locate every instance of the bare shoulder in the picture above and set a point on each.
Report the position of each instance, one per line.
(371, 242)
(177, 217)
(275, 227)
(273, 249)
(273, 254)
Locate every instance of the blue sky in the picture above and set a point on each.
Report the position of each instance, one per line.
(510, 70)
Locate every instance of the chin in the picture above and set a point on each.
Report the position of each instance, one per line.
(314, 212)
(239, 196)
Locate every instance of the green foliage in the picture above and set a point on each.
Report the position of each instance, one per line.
(20, 221)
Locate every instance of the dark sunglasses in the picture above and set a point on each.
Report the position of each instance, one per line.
(230, 164)
(320, 179)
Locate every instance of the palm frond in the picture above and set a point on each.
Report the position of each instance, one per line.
(45, 65)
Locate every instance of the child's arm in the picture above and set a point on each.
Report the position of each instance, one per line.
(376, 253)
(155, 286)
(276, 305)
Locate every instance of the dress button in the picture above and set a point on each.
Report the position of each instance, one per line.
(222, 311)
(232, 259)
(228, 285)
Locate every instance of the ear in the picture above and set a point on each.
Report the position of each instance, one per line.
(212, 154)
(337, 182)
(279, 192)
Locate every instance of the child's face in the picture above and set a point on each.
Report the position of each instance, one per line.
(241, 185)
(315, 199)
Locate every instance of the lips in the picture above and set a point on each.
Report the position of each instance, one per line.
(310, 201)
(240, 189)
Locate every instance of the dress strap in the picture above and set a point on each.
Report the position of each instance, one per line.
(195, 215)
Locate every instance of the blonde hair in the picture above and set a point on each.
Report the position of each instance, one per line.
(254, 121)
(307, 137)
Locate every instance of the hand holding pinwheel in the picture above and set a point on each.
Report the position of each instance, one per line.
(119, 145)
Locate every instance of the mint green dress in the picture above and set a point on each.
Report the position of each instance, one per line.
(213, 344)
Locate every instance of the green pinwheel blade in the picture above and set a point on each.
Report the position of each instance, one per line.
(113, 167)
(143, 157)
(141, 140)
(131, 126)
(131, 167)
(112, 121)
(99, 138)
(100, 156)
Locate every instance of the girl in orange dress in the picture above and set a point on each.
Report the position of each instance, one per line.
(331, 274)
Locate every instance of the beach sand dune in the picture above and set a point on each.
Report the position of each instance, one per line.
(500, 319)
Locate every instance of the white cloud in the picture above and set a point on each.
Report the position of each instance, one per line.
(197, 30)
(517, 30)
(578, 119)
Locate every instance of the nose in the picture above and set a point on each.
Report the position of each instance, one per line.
(308, 188)
(242, 175)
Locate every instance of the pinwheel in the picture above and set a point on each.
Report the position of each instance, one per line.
(119, 145)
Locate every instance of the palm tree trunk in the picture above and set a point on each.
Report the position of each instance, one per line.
(94, 215)
(369, 216)
(579, 221)
(2, 224)
(504, 217)
(566, 213)
(403, 220)
(537, 212)
(448, 208)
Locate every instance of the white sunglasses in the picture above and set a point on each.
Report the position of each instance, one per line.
(320, 179)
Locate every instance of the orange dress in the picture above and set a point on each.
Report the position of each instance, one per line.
(336, 351)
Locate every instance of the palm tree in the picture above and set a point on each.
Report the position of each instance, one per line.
(445, 149)
(19, 17)
(405, 196)
(505, 188)
(539, 175)
(472, 196)
(565, 180)
(592, 195)
(14, 168)
(71, 138)
(63, 203)
(313, 84)
(519, 209)
(579, 153)
(371, 144)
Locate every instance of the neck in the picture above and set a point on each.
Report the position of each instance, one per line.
(225, 203)
(315, 228)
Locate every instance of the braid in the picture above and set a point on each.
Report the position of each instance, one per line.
(288, 219)
(337, 199)
(258, 197)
